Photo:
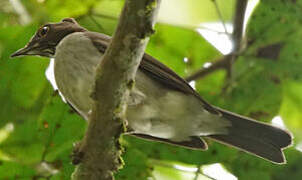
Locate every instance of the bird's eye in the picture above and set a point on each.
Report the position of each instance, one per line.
(43, 31)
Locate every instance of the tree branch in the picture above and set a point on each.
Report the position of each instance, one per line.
(227, 61)
(238, 24)
(100, 150)
(237, 34)
(216, 65)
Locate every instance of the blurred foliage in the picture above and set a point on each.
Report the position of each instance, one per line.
(37, 129)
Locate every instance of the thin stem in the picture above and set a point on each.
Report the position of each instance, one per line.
(237, 38)
(216, 65)
(104, 16)
(227, 61)
(220, 15)
(96, 22)
(238, 24)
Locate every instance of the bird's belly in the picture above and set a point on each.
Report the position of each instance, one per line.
(152, 109)
(170, 114)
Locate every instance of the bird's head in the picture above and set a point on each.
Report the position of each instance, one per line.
(45, 40)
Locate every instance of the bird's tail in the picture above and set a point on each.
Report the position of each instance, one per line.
(254, 137)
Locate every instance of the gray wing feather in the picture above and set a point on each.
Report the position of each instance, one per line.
(156, 70)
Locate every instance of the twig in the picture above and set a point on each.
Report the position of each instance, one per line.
(100, 149)
(212, 30)
(227, 61)
(172, 166)
(96, 22)
(216, 65)
(197, 176)
(236, 37)
(104, 16)
(91, 14)
(220, 15)
(238, 24)
(199, 171)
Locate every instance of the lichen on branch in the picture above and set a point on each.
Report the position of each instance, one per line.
(100, 148)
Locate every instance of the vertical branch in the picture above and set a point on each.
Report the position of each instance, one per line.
(237, 33)
(99, 153)
(238, 24)
(227, 61)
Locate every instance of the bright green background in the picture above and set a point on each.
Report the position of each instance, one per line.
(264, 85)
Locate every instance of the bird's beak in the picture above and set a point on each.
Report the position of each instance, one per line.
(21, 52)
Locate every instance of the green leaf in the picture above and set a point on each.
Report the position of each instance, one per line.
(290, 109)
(136, 165)
(172, 44)
(191, 13)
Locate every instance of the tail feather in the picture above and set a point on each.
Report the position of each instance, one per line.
(257, 138)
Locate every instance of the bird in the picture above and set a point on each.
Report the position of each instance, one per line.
(162, 106)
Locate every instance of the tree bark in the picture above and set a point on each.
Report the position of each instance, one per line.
(99, 153)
